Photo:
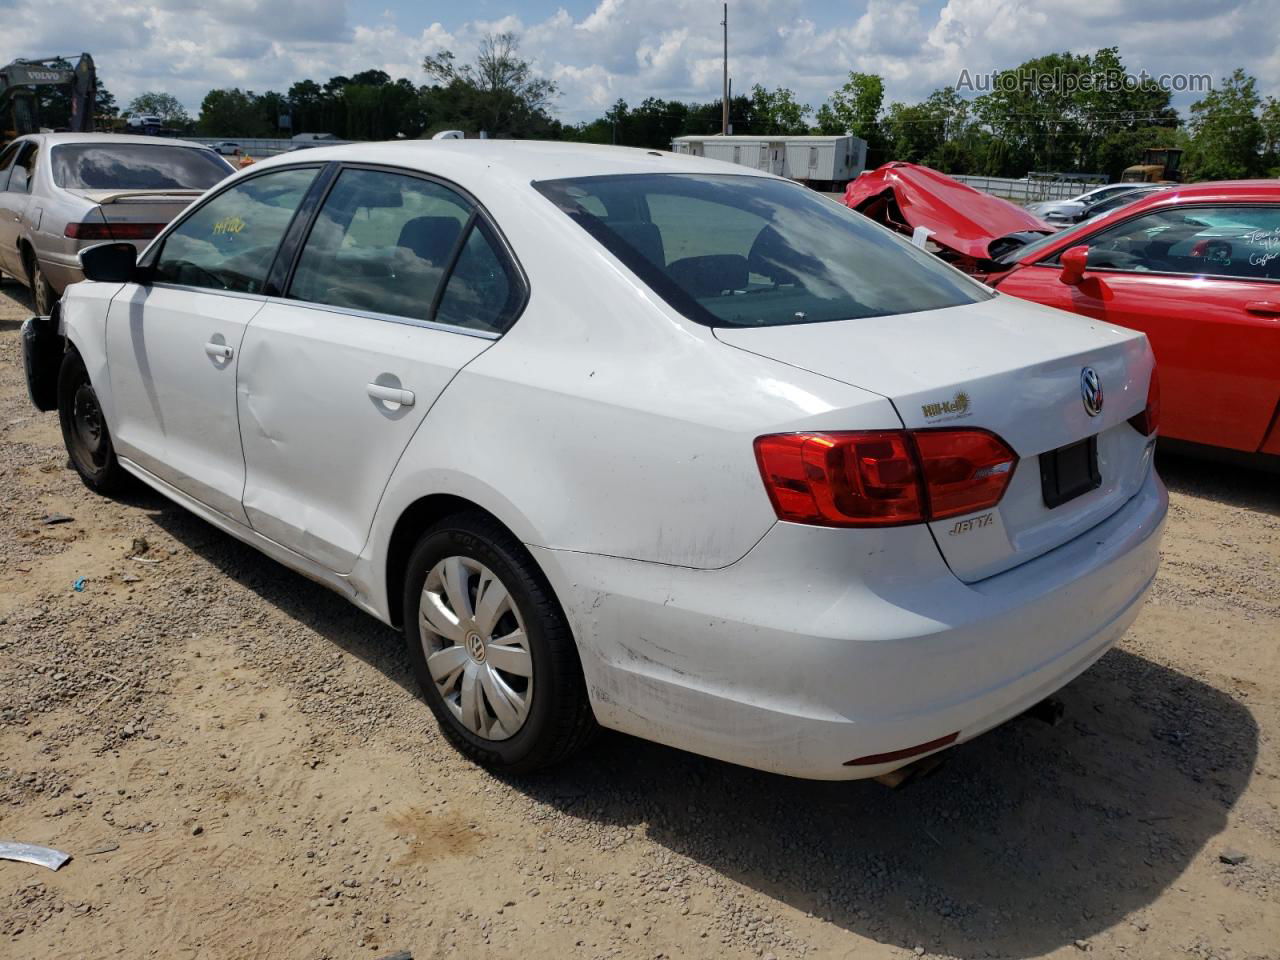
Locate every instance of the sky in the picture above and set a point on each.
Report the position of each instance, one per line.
(600, 50)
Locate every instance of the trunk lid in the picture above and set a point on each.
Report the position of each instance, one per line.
(155, 206)
(1004, 365)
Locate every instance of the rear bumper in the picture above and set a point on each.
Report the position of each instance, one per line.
(823, 646)
(61, 270)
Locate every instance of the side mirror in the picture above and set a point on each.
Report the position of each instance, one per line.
(1075, 261)
(110, 262)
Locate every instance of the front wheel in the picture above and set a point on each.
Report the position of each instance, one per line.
(491, 649)
(84, 429)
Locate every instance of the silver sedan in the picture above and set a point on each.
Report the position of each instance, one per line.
(61, 192)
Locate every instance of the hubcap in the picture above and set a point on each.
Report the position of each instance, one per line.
(476, 648)
(86, 416)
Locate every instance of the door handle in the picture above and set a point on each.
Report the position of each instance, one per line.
(219, 351)
(390, 394)
(1265, 308)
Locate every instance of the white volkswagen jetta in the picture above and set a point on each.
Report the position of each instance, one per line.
(627, 438)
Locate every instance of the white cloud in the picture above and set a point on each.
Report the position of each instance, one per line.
(639, 48)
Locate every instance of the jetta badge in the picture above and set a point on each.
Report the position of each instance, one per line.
(1091, 391)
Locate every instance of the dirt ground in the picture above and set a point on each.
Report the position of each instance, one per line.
(241, 767)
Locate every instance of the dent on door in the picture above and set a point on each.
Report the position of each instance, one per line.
(328, 402)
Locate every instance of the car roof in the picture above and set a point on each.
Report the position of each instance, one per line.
(1160, 196)
(57, 138)
(473, 162)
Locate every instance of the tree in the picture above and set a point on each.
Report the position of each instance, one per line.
(777, 112)
(1270, 120)
(938, 132)
(1226, 134)
(500, 93)
(104, 102)
(162, 105)
(854, 108)
(232, 113)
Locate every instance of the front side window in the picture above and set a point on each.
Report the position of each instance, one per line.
(230, 242)
(135, 166)
(381, 243)
(1239, 242)
(746, 251)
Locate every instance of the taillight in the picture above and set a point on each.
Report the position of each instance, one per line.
(1148, 421)
(118, 230)
(883, 478)
(842, 479)
(964, 470)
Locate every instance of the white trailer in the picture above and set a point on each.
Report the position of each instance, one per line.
(823, 162)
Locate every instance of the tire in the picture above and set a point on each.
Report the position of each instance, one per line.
(510, 723)
(84, 430)
(43, 296)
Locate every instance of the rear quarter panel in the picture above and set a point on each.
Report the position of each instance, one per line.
(603, 423)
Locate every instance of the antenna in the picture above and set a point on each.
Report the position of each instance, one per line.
(724, 111)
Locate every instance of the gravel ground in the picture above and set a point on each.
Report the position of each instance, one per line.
(241, 767)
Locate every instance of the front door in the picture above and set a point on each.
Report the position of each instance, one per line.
(333, 384)
(173, 343)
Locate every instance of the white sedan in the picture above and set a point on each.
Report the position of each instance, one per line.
(629, 439)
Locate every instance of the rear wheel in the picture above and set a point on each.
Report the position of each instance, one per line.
(84, 429)
(491, 649)
(43, 295)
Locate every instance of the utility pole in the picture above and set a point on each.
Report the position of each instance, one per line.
(724, 109)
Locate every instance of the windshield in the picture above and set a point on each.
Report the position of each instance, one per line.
(1035, 246)
(746, 251)
(136, 166)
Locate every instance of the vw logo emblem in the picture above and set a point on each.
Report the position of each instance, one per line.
(1091, 391)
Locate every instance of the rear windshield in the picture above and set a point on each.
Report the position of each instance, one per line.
(743, 251)
(135, 166)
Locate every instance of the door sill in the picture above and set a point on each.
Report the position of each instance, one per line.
(281, 554)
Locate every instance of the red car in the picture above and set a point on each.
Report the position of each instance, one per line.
(963, 226)
(1197, 269)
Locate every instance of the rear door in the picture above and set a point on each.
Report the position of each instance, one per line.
(1203, 283)
(399, 284)
(173, 343)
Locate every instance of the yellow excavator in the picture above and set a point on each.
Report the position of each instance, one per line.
(1159, 165)
(19, 105)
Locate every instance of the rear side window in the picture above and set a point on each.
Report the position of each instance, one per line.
(1236, 242)
(23, 170)
(385, 243)
(230, 242)
(6, 164)
(747, 251)
(135, 166)
(481, 292)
